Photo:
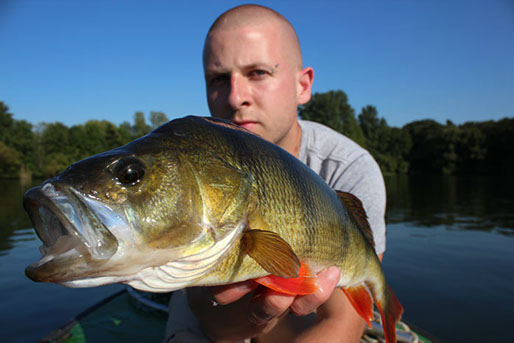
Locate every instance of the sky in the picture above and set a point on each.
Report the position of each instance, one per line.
(71, 61)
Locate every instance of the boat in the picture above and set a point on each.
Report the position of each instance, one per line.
(126, 316)
(135, 316)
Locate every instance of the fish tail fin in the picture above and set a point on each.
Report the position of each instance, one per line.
(390, 312)
(361, 297)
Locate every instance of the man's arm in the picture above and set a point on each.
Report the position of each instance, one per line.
(336, 321)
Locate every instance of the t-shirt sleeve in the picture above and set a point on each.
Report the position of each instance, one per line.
(363, 179)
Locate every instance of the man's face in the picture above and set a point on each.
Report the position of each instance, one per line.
(251, 80)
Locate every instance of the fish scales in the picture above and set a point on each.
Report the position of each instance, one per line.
(290, 201)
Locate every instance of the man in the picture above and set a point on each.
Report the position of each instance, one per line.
(254, 77)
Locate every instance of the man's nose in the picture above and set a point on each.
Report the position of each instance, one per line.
(239, 92)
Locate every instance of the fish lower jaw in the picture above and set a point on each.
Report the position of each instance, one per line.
(65, 249)
(49, 257)
(64, 252)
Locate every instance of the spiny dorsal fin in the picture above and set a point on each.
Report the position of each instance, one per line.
(357, 213)
(272, 253)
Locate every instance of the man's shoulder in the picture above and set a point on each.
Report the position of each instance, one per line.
(326, 143)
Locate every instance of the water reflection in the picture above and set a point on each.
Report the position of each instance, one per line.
(12, 214)
(462, 202)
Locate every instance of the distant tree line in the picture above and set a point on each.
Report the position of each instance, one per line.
(420, 146)
(46, 149)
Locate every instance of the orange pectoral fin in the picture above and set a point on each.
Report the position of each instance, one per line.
(361, 300)
(305, 283)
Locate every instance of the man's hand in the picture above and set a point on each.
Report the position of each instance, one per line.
(234, 312)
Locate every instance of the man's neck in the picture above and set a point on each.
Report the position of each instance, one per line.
(292, 142)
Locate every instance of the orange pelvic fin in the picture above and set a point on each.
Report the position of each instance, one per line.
(305, 283)
(390, 313)
(361, 300)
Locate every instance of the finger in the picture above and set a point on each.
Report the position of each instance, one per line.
(267, 305)
(327, 281)
(229, 293)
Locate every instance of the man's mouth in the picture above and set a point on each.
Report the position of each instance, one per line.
(247, 124)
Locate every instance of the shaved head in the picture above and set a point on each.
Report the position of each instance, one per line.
(254, 74)
(257, 16)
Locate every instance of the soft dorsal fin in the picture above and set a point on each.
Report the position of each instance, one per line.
(272, 253)
(357, 213)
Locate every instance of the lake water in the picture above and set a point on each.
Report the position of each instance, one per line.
(449, 259)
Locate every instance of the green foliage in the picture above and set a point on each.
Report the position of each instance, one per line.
(94, 137)
(453, 149)
(388, 145)
(372, 127)
(48, 148)
(55, 163)
(6, 121)
(22, 140)
(140, 127)
(157, 119)
(16, 144)
(56, 139)
(494, 151)
(428, 145)
(124, 130)
(10, 161)
(332, 109)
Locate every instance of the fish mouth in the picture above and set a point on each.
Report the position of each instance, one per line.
(73, 236)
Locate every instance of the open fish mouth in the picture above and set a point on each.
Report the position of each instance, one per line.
(70, 230)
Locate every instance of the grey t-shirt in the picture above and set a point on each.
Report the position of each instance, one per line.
(347, 167)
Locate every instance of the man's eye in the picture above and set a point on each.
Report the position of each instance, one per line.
(218, 80)
(258, 74)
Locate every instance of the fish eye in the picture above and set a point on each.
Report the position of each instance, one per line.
(129, 170)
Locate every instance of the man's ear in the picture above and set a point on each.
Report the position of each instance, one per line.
(305, 80)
